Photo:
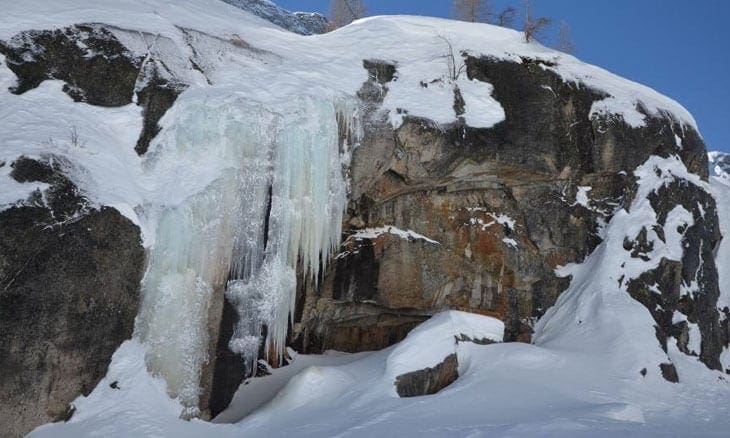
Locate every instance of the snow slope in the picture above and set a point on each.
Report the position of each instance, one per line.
(504, 390)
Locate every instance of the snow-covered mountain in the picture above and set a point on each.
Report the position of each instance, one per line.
(530, 244)
(304, 23)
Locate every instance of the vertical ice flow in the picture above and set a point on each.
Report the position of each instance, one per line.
(276, 200)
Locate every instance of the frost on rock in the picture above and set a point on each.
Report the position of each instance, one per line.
(275, 197)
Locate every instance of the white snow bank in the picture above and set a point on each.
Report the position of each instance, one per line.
(431, 342)
(504, 389)
(256, 392)
(418, 45)
(127, 392)
(103, 163)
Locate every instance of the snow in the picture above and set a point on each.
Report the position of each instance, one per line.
(299, 22)
(430, 343)
(509, 241)
(301, 59)
(719, 164)
(720, 189)
(503, 390)
(39, 124)
(256, 392)
(374, 233)
(581, 198)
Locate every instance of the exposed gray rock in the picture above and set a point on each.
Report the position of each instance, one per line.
(69, 293)
(428, 380)
(96, 68)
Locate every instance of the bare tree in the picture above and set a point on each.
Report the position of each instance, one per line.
(455, 65)
(565, 43)
(533, 26)
(344, 12)
(506, 17)
(475, 11)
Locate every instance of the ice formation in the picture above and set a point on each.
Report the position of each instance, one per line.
(276, 205)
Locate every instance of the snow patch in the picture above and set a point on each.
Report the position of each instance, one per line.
(374, 233)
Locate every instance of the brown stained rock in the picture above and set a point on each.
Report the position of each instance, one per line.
(444, 181)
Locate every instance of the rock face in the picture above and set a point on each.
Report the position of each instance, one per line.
(69, 293)
(507, 205)
(430, 380)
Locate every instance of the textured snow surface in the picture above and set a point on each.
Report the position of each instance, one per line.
(720, 187)
(430, 343)
(503, 390)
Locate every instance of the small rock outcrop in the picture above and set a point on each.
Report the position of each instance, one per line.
(429, 380)
(96, 68)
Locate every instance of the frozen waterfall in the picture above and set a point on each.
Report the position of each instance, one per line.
(252, 191)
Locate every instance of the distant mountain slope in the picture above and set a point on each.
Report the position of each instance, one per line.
(303, 23)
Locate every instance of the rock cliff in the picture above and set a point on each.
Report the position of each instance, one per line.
(442, 212)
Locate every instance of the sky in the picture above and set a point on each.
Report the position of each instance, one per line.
(678, 47)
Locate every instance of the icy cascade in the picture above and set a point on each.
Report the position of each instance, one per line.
(276, 199)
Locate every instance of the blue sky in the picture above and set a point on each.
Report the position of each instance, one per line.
(679, 47)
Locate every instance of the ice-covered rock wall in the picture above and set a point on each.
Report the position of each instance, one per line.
(275, 206)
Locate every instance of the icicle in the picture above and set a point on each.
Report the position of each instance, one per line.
(275, 197)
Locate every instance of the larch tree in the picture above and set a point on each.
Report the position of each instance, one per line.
(475, 11)
(344, 12)
(565, 43)
(532, 26)
(506, 17)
